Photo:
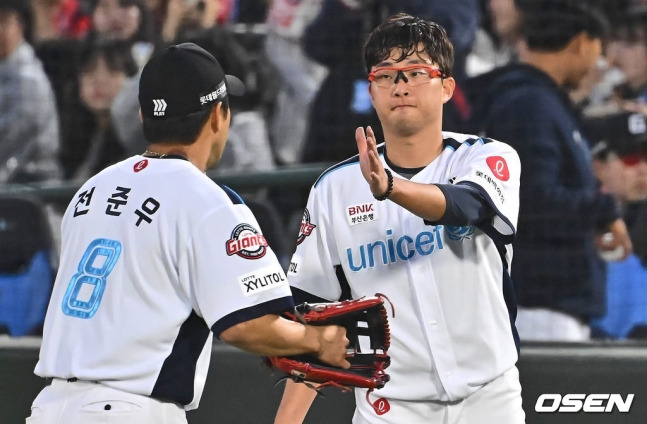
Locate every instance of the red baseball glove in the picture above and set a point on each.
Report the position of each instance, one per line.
(364, 317)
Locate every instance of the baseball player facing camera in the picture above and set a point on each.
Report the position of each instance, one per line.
(156, 260)
(432, 231)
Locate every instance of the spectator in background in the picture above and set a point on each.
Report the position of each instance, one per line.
(598, 88)
(343, 102)
(248, 148)
(197, 21)
(125, 20)
(627, 50)
(498, 38)
(89, 139)
(59, 19)
(157, 12)
(29, 132)
(299, 76)
(251, 11)
(620, 161)
(172, 17)
(559, 277)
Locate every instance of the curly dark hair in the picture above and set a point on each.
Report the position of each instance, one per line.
(411, 35)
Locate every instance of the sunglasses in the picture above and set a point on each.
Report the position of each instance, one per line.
(634, 159)
(412, 75)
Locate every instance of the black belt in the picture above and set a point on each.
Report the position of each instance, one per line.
(48, 380)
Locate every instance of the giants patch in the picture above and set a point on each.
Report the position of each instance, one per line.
(499, 167)
(246, 242)
(306, 227)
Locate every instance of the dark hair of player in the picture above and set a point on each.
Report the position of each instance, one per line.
(411, 35)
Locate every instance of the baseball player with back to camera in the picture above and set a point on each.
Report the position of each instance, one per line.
(432, 231)
(156, 260)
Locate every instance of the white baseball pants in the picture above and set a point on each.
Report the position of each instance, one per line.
(498, 402)
(83, 402)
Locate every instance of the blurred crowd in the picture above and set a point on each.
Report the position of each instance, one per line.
(70, 69)
(68, 108)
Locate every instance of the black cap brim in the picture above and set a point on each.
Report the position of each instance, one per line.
(235, 86)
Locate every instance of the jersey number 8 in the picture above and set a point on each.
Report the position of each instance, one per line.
(86, 287)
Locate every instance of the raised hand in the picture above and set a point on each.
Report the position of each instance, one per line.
(369, 161)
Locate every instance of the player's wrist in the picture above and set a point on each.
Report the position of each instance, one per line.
(312, 339)
(389, 187)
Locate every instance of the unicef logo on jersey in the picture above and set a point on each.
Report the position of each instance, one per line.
(459, 233)
(391, 250)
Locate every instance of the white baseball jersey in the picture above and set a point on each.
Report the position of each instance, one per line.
(450, 287)
(155, 256)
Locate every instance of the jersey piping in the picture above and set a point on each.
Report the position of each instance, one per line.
(447, 143)
(233, 196)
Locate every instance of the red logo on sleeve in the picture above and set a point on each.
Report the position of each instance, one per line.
(306, 227)
(140, 165)
(499, 167)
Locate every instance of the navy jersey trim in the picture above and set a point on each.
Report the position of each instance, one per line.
(500, 242)
(487, 227)
(510, 300)
(274, 306)
(343, 283)
(451, 143)
(455, 144)
(177, 376)
(381, 149)
(465, 206)
(233, 196)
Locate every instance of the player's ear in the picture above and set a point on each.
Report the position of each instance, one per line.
(577, 43)
(218, 117)
(449, 84)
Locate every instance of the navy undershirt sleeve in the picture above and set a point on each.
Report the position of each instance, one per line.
(465, 206)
